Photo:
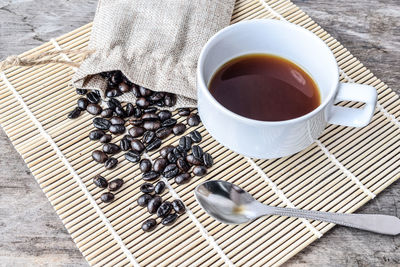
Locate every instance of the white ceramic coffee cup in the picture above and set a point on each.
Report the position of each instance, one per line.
(264, 139)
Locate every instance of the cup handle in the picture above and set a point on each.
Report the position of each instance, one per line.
(355, 117)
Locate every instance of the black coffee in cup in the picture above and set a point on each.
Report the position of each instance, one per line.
(265, 87)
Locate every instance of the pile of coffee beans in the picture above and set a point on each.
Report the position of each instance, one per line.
(143, 125)
(167, 211)
(173, 163)
(178, 162)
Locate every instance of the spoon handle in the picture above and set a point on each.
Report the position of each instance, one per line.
(383, 224)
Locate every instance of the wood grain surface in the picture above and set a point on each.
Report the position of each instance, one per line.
(31, 234)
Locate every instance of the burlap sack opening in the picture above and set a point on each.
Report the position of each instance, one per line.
(155, 44)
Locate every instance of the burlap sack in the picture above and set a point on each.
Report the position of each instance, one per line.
(154, 43)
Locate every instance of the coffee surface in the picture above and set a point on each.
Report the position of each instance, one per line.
(264, 87)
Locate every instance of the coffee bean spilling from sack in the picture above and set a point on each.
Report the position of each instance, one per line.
(148, 125)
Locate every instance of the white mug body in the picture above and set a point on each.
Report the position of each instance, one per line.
(260, 141)
(273, 139)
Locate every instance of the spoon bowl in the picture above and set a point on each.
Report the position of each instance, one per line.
(224, 201)
(230, 204)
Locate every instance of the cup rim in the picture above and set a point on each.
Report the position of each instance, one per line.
(201, 81)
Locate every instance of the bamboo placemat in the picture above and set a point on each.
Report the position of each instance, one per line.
(342, 171)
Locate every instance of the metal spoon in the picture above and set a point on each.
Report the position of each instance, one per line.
(230, 204)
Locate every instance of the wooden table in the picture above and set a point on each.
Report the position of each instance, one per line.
(32, 234)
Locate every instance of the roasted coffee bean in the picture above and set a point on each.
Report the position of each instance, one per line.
(195, 136)
(159, 165)
(107, 197)
(111, 163)
(148, 136)
(97, 92)
(156, 96)
(137, 112)
(197, 151)
(135, 122)
(101, 123)
(159, 188)
(93, 98)
(160, 103)
(116, 77)
(184, 111)
(183, 165)
(115, 184)
(81, 91)
(170, 171)
(185, 142)
(100, 181)
(96, 134)
(74, 113)
(106, 138)
(156, 143)
(164, 115)
(163, 132)
(82, 103)
(132, 156)
(142, 102)
(111, 148)
(149, 225)
(171, 157)
(147, 188)
(199, 170)
(178, 206)
(151, 116)
(164, 209)
(110, 84)
(128, 137)
(114, 92)
(137, 146)
(151, 125)
(180, 152)
(144, 91)
(183, 178)
(145, 165)
(129, 110)
(125, 144)
(208, 160)
(193, 160)
(124, 88)
(170, 99)
(136, 131)
(154, 204)
(150, 176)
(168, 123)
(107, 113)
(136, 91)
(165, 151)
(94, 109)
(144, 199)
(193, 120)
(150, 110)
(120, 112)
(111, 92)
(99, 156)
(117, 120)
(117, 129)
(179, 129)
(170, 219)
(113, 103)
